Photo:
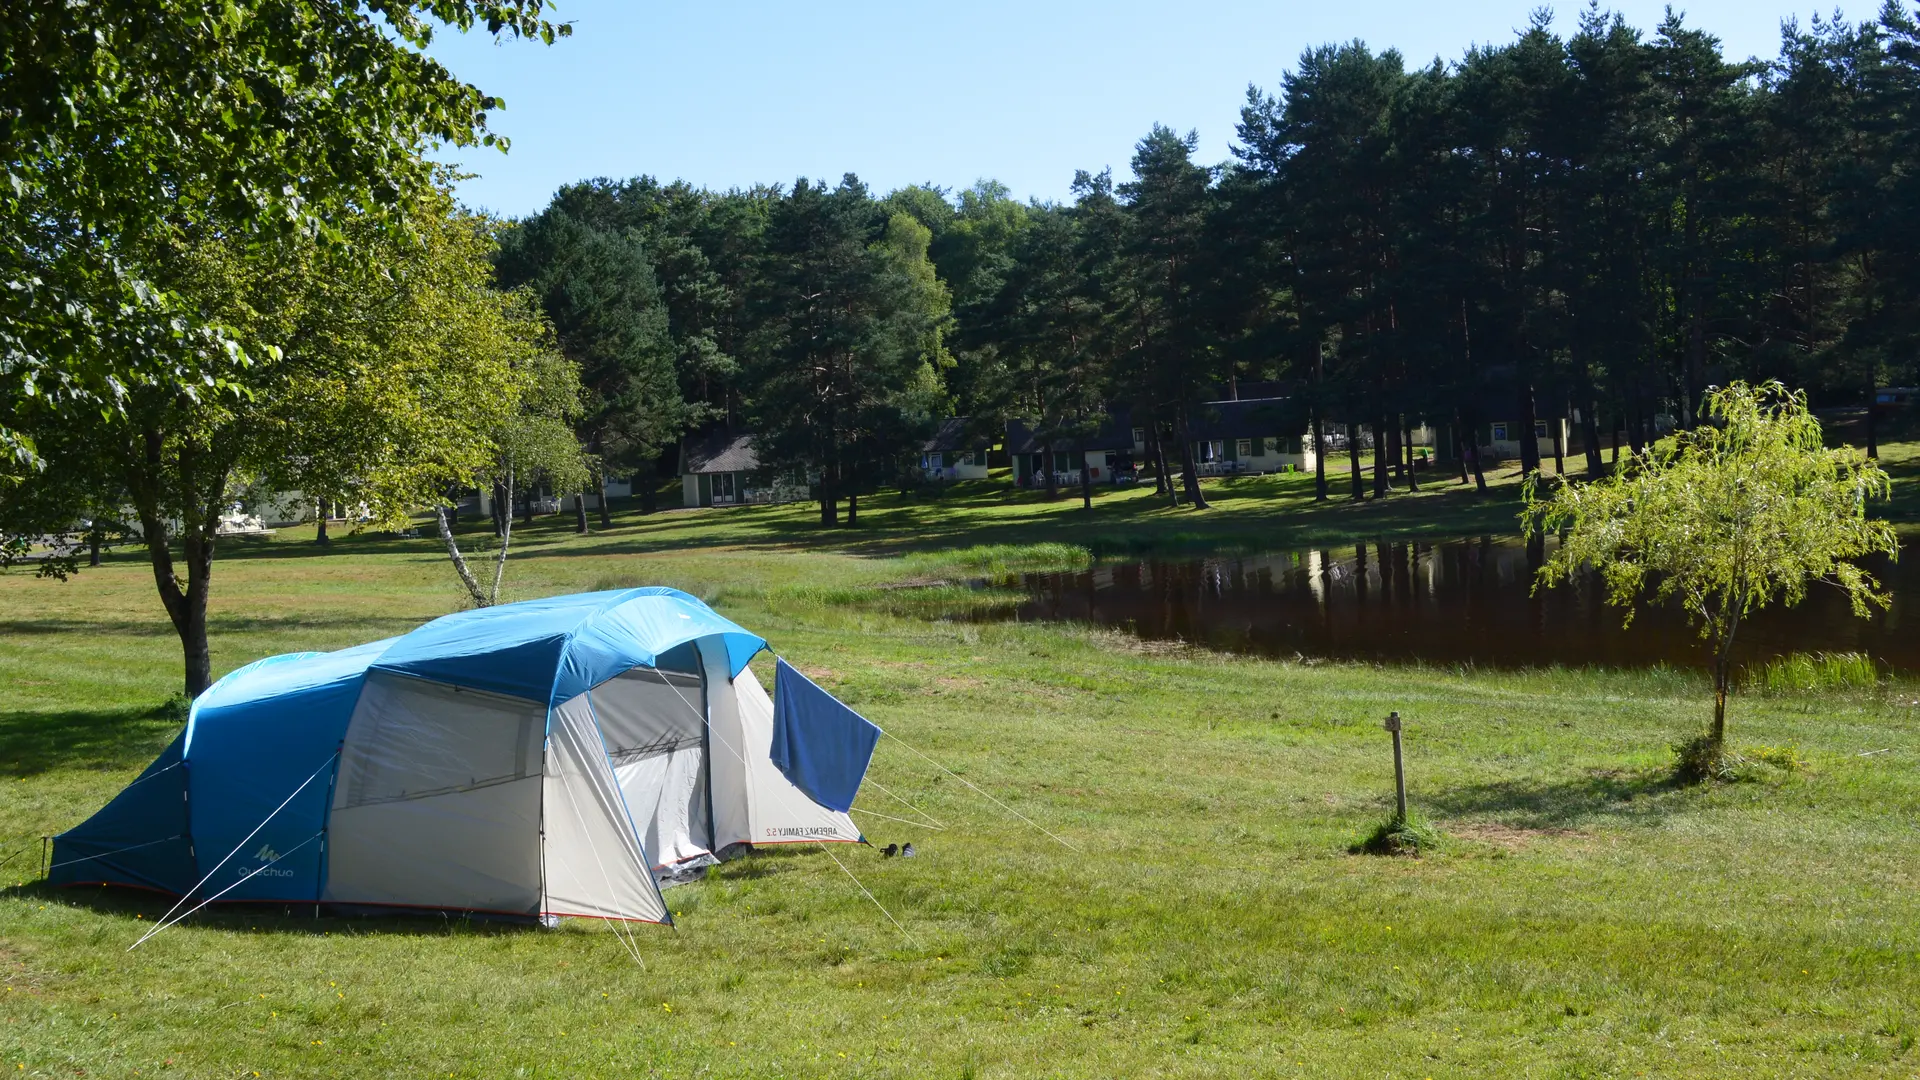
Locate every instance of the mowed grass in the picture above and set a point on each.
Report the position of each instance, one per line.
(1586, 918)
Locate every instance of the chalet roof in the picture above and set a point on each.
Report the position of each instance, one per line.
(1248, 419)
(719, 451)
(954, 434)
(1113, 434)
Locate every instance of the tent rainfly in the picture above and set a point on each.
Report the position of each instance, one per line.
(549, 758)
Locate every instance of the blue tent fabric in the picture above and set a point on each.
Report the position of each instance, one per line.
(139, 839)
(258, 733)
(822, 746)
(550, 650)
(252, 738)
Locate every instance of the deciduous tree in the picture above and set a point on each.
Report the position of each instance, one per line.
(1746, 510)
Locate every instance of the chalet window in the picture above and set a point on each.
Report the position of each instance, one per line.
(1499, 433)
(1062, 461)
(936, 460)
(1539, 429)
(1139, 436)
(1243, 448)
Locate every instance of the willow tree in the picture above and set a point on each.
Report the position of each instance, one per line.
(1747, 510)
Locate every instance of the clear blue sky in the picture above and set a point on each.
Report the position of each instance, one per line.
(730, 94)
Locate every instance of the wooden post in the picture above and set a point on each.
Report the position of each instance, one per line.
(1399, 769)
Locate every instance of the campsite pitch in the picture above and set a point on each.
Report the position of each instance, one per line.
(1586, 917)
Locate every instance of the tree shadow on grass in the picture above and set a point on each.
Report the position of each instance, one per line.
(376, 626)
(107, 740)
(1567, 803)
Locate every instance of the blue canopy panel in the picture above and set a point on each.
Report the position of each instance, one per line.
(822, 746)
(252, 739)
(551, 650)
(139, 839)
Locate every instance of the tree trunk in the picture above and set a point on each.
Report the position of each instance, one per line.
(502, 509)
(606, 512)
(533, 493)
(1053, 482)
(1529, 445)
(1382, 459)
(460, 566)
(1722, 671)
(193, 628)
(1696, 348)
(1402, 451)
(1155, 458)
(829, 500)
(1190, 474)
(853, 509)
(647, 478)
(1319, 457)
(1353, 460)
(1873, 436)
(1479, 469)
(1086, 483)
(1460, 449)
(1619, 432)
(506, 541)
(186, 606)
(1590, 435)
(1559, 447)
(580, 512)
(1718, 733)
(320, 531)
(93, 545)
(1170, 490)
(1413, 479)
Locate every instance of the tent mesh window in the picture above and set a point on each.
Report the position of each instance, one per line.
(415, 739)
(644, 713)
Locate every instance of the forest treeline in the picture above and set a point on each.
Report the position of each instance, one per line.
(1602, 224)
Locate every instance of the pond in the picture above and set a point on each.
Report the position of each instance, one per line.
(1442, 602)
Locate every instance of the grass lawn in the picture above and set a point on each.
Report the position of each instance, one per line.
(1587, 918)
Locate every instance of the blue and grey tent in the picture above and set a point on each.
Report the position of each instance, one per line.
(548, 758)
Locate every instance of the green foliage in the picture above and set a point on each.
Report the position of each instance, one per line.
(384, 369)
(134, 125)
(599, 290)
(848, 343)
(1807, 673)
(1730, 517)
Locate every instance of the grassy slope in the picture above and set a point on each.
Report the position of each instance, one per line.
(1590, 921)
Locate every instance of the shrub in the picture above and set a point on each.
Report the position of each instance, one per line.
(1786, 757)
(1703, 758)
(174, 710)
(1412, 835)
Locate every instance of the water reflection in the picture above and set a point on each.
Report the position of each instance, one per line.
(1459, 601)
